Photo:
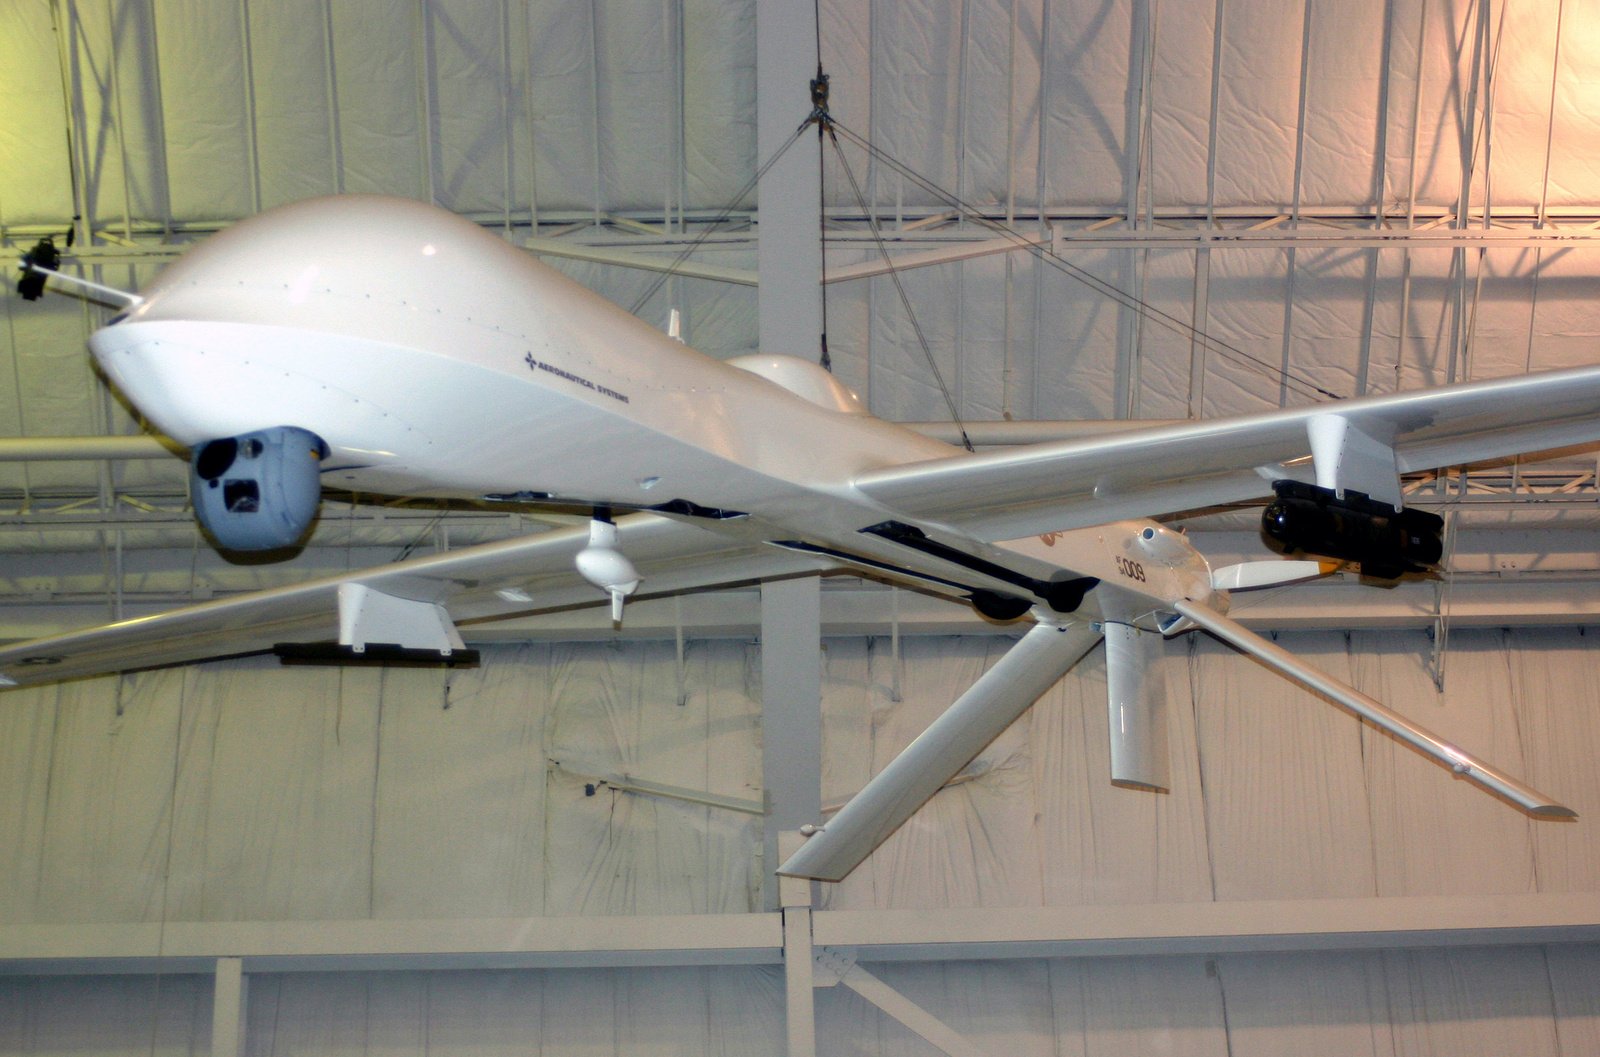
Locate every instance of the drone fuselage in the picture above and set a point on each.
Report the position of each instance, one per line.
(435, 359)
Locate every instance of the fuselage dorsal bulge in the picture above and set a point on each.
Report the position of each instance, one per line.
(434, 358)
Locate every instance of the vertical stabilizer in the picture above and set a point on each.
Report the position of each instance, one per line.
(1136, 697)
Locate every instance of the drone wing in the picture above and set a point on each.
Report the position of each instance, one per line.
(410, 597)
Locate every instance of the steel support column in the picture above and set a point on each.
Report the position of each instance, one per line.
(799, 979)
(789, 264)
(228, 1008)
(791, 713)
(789, 244)
(795, 897)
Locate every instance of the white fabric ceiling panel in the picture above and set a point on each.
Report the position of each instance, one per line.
(561, 92)
(618, 713)
(437, 848)
(289, 43)
(1172, 1006)
(848, 38)
(1162, 376)
(1575, 119)
(95, 1016)
(1566, 316)
(999, 353)
(1247, 719)
(659, 111)
(954, 90)
(718, 121)
(1180, 102)
(45, 336)
(1295, 1003)
(1324, 324)
(128, 177)
(197, 112)
(1562, 738)
(26, 735)
(1462, 1002)
(205, 106)
(1076, 368)
(101, 841)
(471, 112)
(1083, 101)
(991, 118)
(912, 72)
(900, 371)
(983, 334)
(1503, 299)
(1414, 857)
(33, 148)
(1344, 91)
(635, 69)
(1521, 115)
(1426, 96)
(1249, 294)
(288, 784)
(208, 139)
(375, 63)
(1095, 844)
(1257, 107)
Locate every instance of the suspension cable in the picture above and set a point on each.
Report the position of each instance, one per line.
(905, 301)
(1046, 256)
(716, 222)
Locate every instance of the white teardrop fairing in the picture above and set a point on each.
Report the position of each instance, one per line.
(804, 379)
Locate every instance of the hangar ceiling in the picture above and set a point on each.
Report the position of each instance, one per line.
(1244, 203)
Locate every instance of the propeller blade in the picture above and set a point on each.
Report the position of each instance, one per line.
(1005, 691)
(1247, 576)
(1380, 715)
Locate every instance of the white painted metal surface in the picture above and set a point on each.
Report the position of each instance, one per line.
(1136, 701)
(1038, 660)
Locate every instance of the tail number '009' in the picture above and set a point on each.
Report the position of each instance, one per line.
(1131, 569)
